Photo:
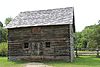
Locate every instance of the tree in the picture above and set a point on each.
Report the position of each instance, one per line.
(78, 40)
(8, 20)
(1, 25)
(88, 37)
(86, 33)
(95, 36)
(3, 34)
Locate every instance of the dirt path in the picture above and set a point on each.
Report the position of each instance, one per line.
(36, 65)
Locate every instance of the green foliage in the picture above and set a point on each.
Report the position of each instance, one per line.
(3, 49)
(78, 39)
(1, 25)
(7, 20)
(3, 34)
(89, 37)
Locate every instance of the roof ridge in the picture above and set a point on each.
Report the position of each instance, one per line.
(47, 9)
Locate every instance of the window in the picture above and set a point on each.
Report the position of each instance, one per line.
(47, 44)
(26, 45)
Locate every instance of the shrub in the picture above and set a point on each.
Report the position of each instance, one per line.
(3, 49)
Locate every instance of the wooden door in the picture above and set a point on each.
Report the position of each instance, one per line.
(37, 48)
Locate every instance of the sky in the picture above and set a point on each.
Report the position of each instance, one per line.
(87, 12)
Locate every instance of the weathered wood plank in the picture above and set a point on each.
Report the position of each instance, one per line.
(58, 36)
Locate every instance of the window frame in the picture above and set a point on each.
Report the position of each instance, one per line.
(28, 44)
(47, 44)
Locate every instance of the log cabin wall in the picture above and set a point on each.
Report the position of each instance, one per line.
(47, 42)
(72, 36)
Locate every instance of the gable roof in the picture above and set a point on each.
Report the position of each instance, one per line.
(43, 17)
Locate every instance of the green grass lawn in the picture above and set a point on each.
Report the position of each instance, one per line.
(5, 63)
(83, 61)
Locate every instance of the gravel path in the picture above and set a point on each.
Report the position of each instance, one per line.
(36, 65)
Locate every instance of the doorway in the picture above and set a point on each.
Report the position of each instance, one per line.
(37, 48)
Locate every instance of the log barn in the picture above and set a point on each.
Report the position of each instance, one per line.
(42, 35)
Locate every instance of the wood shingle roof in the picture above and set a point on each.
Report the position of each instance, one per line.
(43, 17)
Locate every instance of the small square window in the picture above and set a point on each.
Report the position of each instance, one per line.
(26, 45)
(47, 44)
